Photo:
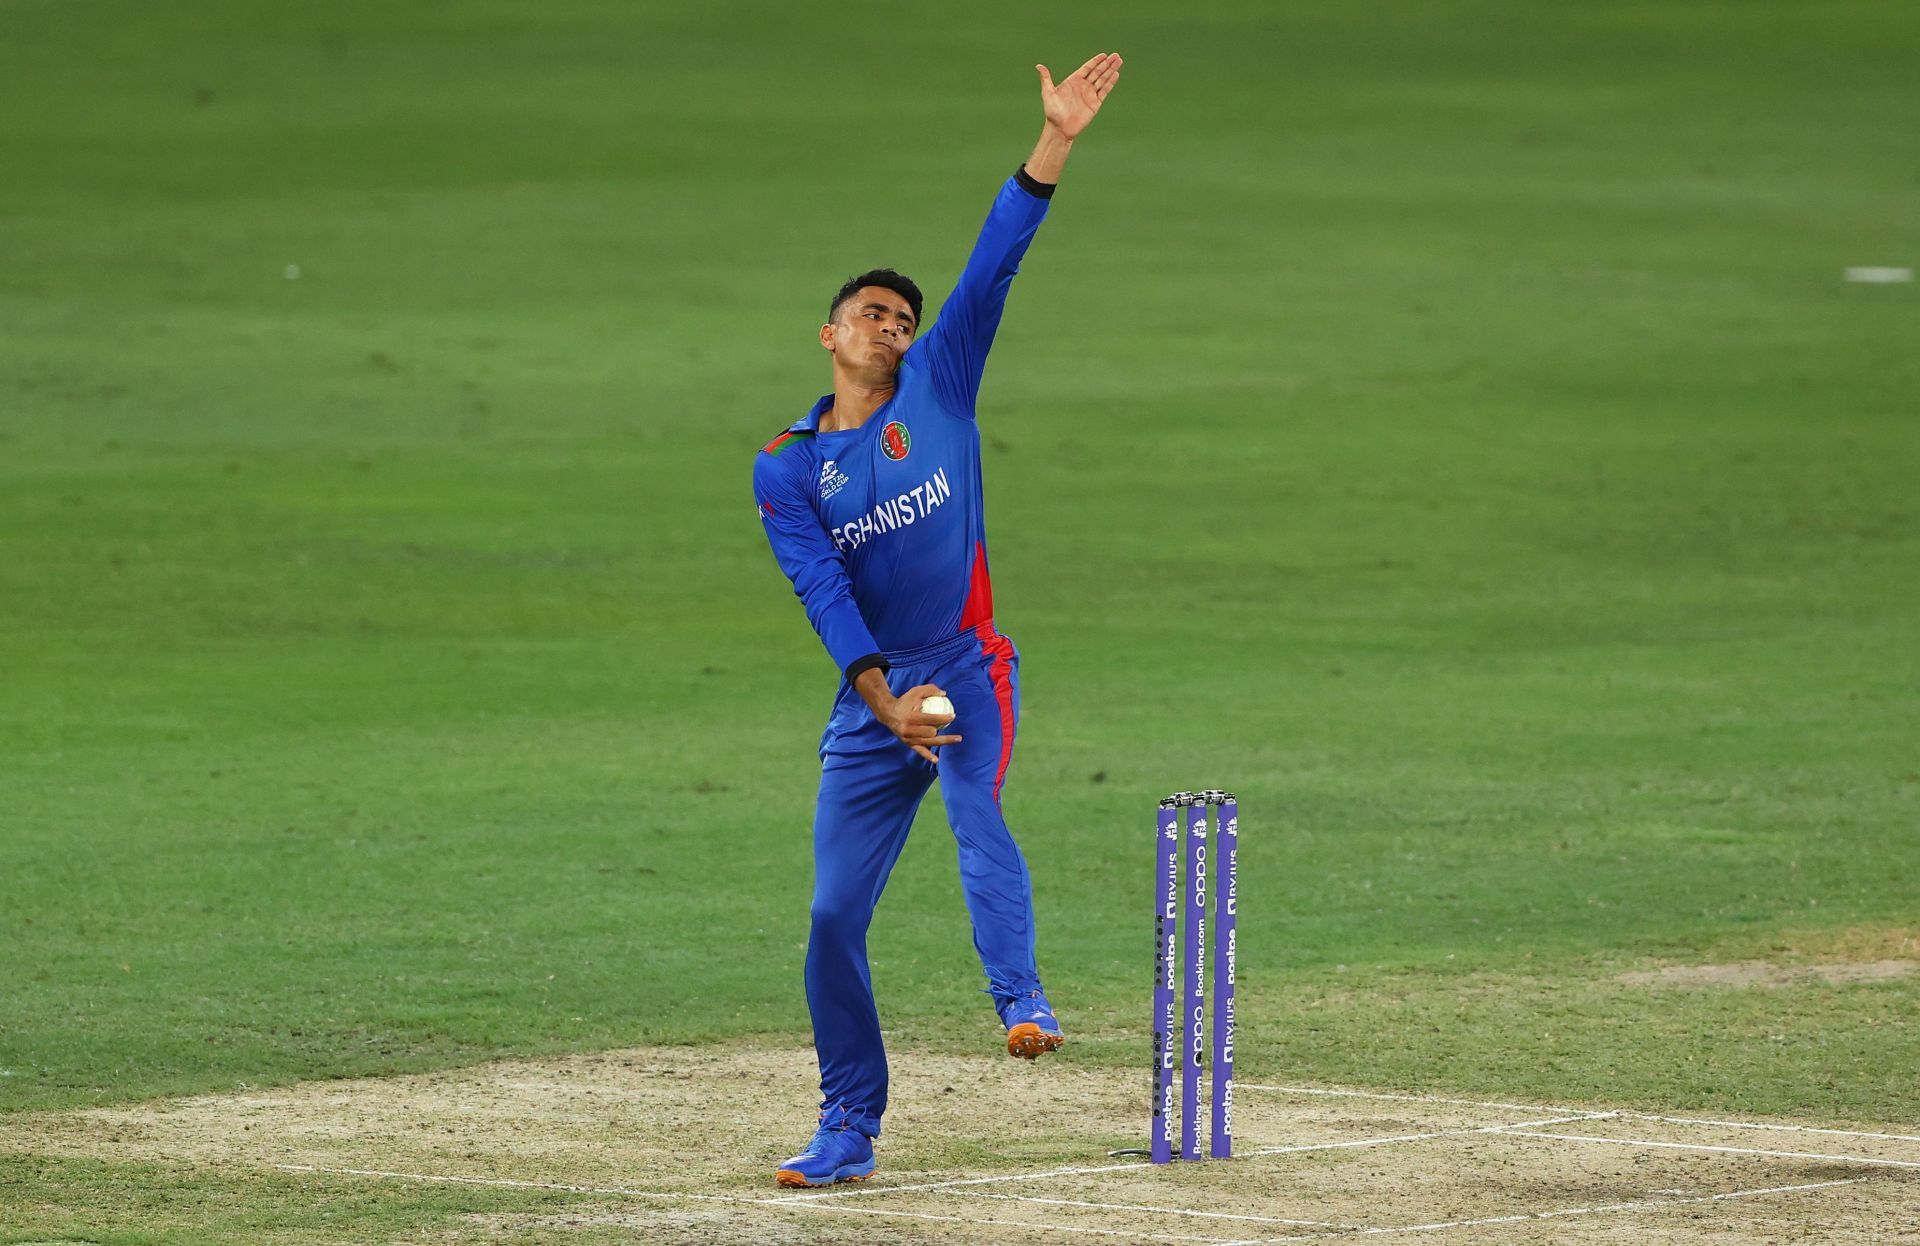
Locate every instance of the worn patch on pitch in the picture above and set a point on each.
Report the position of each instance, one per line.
(1840, 957)
(1765, 973)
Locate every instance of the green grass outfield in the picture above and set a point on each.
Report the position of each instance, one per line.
(1445, 424)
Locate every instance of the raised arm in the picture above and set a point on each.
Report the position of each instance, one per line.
(954, 351)
(1069, 108)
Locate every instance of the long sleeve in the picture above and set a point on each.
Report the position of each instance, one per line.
(818, 572)
(955, 349)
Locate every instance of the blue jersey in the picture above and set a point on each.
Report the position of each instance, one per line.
(882, 528)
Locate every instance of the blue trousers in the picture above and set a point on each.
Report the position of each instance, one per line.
(870, 786)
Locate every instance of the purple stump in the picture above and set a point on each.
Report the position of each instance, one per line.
(1166, 909)
(1226, 856)
(1195, 1010)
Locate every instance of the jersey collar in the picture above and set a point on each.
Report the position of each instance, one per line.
(810, 422)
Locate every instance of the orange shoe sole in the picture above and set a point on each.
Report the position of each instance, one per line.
(798, 1180)
(1030, 1042)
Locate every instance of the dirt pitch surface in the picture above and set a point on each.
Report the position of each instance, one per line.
(679, 1145)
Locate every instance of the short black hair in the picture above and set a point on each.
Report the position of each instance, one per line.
(886, 279)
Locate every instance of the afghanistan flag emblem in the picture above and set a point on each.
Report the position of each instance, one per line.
(894, 440)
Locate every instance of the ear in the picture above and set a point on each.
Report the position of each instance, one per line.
(827, 335)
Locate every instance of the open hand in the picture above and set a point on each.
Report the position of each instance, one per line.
(1070, 106)
(919, 732)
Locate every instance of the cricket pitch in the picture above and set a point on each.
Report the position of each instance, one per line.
(679, 1145)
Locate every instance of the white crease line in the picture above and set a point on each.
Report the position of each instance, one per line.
(1164, 1211)
(1535, 1107)
(868, 1191)
(1805, 1129)
(1369, 1094)
(1646, 1205)
(796, 1203)
(1438, 1133)
(844, 1209)
(1136, 1236)
(947, 1185)
(519, 1185)
(1730, 1150)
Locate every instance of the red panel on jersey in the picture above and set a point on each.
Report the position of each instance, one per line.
(979, 607)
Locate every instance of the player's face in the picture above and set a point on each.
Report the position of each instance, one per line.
(872, 330)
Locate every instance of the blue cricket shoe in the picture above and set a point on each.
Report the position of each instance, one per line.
(839, 1151)
(1032, 1029)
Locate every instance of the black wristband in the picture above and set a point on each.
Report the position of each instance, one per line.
(872, 662)
(1039, 190)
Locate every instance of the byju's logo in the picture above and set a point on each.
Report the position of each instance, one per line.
(832, 479)
(894, 440)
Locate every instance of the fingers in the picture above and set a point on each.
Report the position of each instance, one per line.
(918, 738)
(1100, 68)
(926, 749)
(1101, 71)
(1092, 66)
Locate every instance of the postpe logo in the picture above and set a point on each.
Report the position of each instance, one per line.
(895, 440)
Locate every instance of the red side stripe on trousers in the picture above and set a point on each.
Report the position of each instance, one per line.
(1000, 674)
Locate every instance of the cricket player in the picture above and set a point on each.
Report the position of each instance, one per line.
(873, 504)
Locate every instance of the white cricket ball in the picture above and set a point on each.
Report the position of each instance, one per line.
(939, 707)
